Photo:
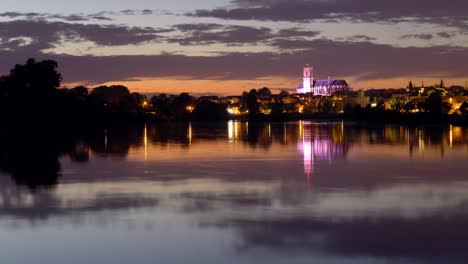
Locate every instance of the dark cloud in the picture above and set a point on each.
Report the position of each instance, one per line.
(128, 12)
(296, 32)
(211, 33)
(99, 18)
(19, 14)
(423, 36)
(146, 12)
(201, 34)
(360, 10)
(48, 16)
(446, 34)
(133, 12)
(45, 34)
(428, 36)
(360, 38)
(198, 27)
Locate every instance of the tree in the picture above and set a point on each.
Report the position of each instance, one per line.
(282, 95)
(80, 93)
(207, 110)
(252, 103)
(183, 105)
(115, 99)
(435, 105)
(264, 93)
(34, 78)
(456, 90)
(162, 105)
(464, 109)
(111, 95)
(31, 89)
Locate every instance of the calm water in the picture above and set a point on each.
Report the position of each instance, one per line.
(237, 193)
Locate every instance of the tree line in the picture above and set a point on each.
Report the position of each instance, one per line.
(32, 92)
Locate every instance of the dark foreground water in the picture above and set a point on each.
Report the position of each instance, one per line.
(238, 193)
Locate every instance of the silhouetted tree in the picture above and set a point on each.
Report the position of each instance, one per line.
(264, 93)
(31, 89)
(436, 106)
(183, 105)
(282, 95)
(207, 110)
(80, 93)
(162, 105)
(111, 95)
(34, 78)
(252, 103)
(464, 109)
(115, 99)
(456, 90)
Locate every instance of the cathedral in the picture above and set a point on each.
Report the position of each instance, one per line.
(320, 87)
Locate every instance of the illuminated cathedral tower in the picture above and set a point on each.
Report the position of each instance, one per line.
(308, 81)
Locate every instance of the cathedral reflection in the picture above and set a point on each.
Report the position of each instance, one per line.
(320, 142)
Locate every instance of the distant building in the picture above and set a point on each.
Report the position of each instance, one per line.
(320, 87)
(360, 99)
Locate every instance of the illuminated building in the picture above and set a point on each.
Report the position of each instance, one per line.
(320, 87)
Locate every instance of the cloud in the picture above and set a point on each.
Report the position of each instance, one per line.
(48, 16)
(211, 33)
(428, 36)
(423, 36)
(45, 34)
(99, 16)
(360, 38)
(296, 32)
(199, 34)
(146, 12)
(446, 34)
(434, 11)
(135, 12)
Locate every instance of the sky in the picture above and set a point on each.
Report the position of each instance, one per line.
(229, 46)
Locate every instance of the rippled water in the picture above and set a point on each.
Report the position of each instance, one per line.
(238, 193)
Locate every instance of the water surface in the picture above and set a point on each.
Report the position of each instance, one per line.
(237, 193)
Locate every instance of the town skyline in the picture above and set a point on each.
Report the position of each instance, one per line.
(226, 47)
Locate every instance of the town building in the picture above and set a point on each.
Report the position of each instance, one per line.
(360, 99)
(320, 87)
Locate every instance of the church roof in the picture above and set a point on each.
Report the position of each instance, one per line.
(326, 83)
(330, 82)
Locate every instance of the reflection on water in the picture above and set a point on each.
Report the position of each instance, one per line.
(320, 142)
(242, 192)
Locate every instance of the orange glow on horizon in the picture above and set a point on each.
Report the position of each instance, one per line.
(236, 87)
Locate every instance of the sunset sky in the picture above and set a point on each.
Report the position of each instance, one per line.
(225, 47)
